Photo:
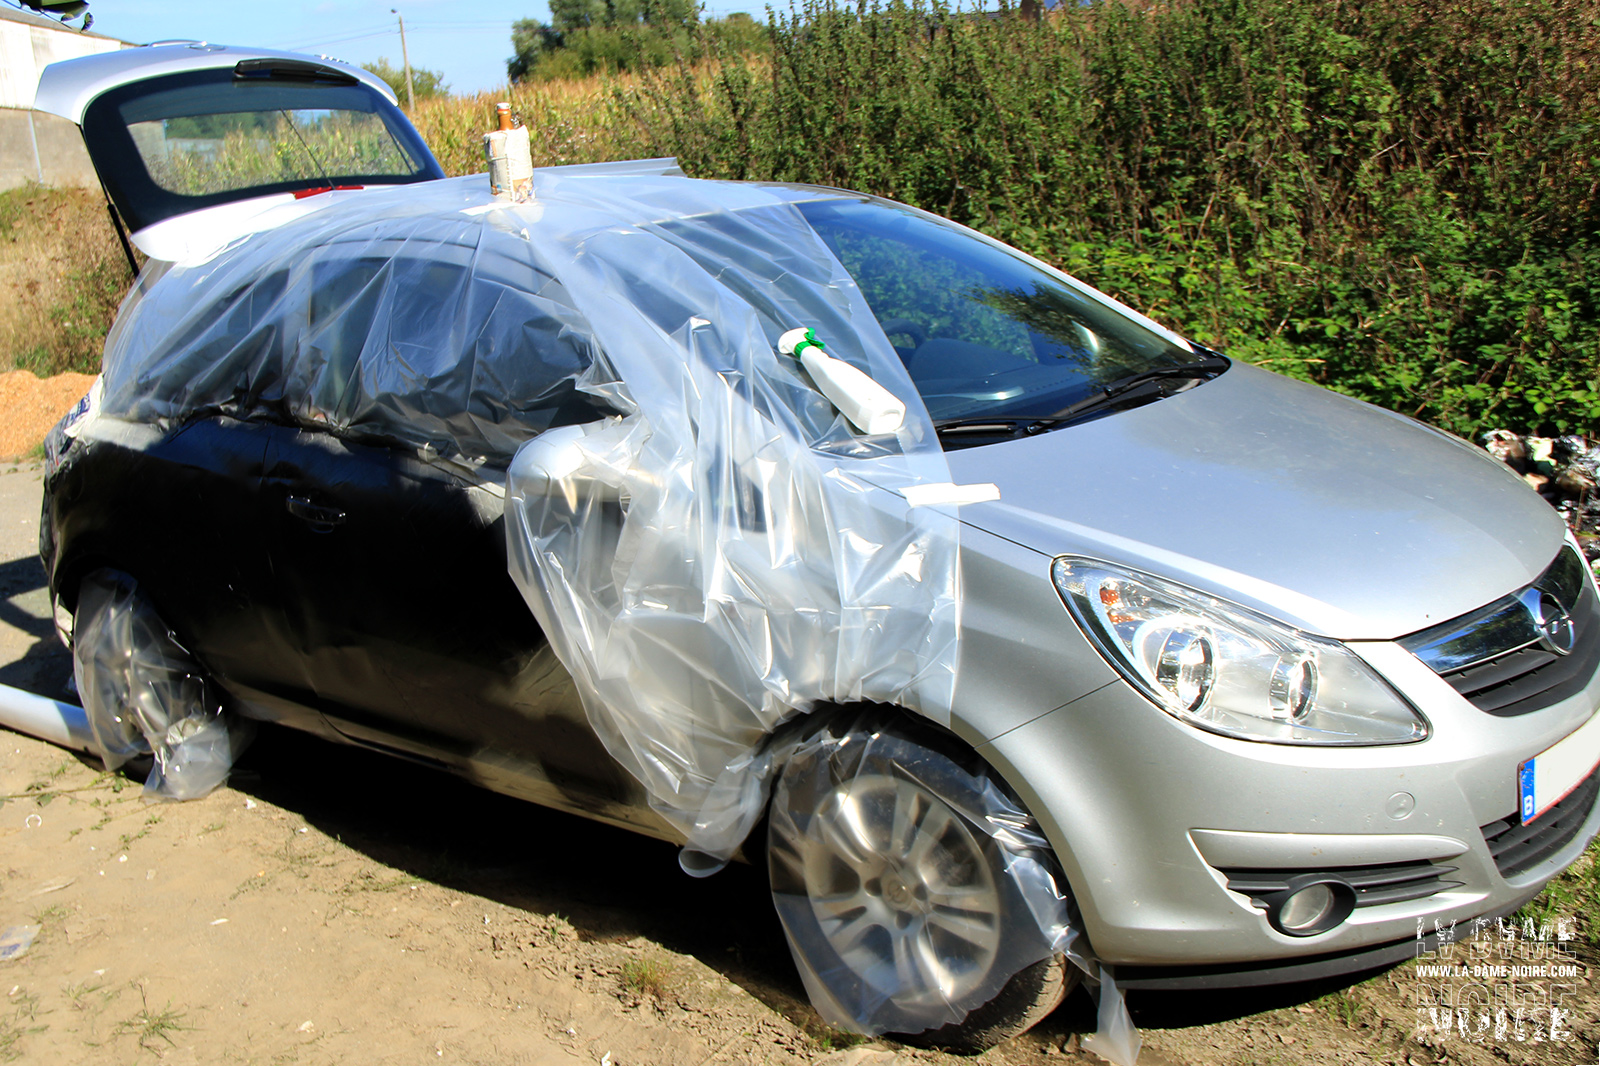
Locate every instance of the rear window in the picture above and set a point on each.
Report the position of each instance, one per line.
(167, 146)
(192, 151)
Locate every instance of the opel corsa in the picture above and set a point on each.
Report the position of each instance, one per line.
(1268, 681)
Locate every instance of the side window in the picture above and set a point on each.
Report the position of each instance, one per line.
(457, 351)
(229, 356)
(343, 304)
(452, 346)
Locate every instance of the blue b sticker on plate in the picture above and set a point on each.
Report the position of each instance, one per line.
(1549, 777)
(1529, 806)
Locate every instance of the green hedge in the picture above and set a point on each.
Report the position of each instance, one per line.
(1395, 198)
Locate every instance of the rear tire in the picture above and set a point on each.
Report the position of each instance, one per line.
(145, 696)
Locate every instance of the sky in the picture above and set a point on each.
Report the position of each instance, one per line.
(468, 43)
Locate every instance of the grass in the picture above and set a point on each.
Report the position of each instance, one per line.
(646, 977)
(149, 1026)
(22, 1021)
(251, 884)
(371, 881)
(53, 913)
(1344, 1006)
(79, 996)
(1574, 895)
(828, 1038)
(62, 275)
(576, 120)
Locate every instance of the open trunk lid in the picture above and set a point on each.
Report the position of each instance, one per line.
(178, 129)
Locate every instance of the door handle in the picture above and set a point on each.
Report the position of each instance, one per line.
(320, 519)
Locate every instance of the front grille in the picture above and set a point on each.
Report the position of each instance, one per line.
(1518, 848)
(1496, 657)
(1392, 882)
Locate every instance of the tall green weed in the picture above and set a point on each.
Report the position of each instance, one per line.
(1397, 199)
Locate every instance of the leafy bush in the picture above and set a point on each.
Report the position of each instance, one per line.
(1396, 199)
(425, 84)
(587, 37)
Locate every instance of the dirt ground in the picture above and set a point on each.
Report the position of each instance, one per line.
(334, 906)
(32, 405)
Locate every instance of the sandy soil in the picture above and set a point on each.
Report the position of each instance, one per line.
(30, 406)
(335, 906)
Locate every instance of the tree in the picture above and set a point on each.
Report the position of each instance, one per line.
(568, 15)
(586, 36)
(531, 40)
(425, 84)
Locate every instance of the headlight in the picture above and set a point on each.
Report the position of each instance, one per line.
(1227, 669)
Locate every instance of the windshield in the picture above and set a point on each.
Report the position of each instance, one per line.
(982, 331)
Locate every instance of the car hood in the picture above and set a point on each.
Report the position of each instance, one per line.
(1327, 513)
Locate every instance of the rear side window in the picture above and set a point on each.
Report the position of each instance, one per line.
(166, 146)
(450, 340)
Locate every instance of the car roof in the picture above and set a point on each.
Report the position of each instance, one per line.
(67, 88)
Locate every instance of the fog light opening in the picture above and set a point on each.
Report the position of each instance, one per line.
(1308, 907)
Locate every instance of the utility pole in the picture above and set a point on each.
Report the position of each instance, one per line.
(405, 59)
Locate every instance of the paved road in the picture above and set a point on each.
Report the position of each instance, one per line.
(30, 656)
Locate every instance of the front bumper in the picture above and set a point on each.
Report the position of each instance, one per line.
(1151, 818)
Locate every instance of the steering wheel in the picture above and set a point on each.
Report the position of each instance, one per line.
(906, 326)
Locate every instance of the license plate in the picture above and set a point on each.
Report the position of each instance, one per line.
(1544, 780)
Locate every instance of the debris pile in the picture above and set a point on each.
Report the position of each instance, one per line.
(1565, 471)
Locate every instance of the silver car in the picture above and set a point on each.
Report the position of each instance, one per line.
(1028, 640)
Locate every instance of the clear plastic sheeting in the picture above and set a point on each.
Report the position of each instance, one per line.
(145, 695)
(716, 549)
(725, 554)
(913, 889)
(388, 316)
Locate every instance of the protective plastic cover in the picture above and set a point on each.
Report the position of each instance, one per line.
(710, 547)
(913, 888)
(145, 695)
(730, 551)
(720, 553)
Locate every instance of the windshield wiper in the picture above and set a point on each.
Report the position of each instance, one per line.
(981, 427)
(1151, 384)
(1146, 385)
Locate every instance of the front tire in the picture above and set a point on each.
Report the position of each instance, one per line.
(914, 893)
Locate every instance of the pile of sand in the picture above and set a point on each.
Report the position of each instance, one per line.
(29, 406)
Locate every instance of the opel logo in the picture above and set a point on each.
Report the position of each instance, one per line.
(1553, 622)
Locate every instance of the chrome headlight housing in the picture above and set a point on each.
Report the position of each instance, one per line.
(1226, 669)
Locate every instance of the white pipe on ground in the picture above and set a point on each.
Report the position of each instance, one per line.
(47, 719)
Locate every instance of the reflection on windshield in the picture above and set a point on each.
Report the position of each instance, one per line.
(982, 331)
(1060, 330)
